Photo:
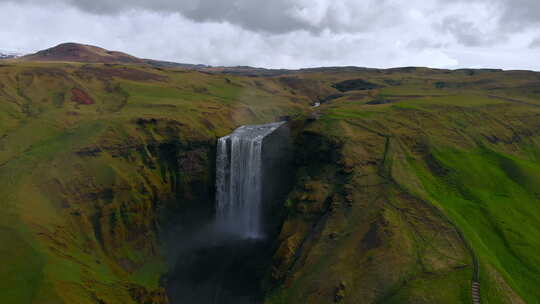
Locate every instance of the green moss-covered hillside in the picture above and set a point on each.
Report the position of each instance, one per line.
(402, 190)
(90, 155)
(406, 179)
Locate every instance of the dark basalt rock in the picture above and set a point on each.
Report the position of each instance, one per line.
(277, 160)
(379, 102)
(330, 98)
(355, 84)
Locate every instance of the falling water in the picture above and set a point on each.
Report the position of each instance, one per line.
(223, 260)
(239, 179)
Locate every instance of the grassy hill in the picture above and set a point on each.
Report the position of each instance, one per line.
(404, 178)
(421, 178)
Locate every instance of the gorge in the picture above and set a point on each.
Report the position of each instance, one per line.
(253, 165)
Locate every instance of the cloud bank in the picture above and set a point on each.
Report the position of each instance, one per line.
(288, 33)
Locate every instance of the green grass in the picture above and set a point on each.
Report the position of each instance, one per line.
(22, 272)
(494, 199)
(461, 100)
(488, 190)
(149, 275)
(441, 288)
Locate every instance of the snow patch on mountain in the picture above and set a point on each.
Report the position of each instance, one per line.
(9, 54)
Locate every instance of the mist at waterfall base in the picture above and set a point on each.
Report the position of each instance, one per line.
(224, 259)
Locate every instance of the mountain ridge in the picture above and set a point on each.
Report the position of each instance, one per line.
(85, 53)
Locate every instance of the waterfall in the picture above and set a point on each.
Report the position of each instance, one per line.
(239, 181)
(223, 261)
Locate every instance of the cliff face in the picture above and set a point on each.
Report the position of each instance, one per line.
(278, 175)
(95, 191)
(354, 235)
(110, 200)
(407, 205)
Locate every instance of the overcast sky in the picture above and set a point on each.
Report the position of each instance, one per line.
(288, 33)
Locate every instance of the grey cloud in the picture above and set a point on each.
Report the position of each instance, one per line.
(423, 43)
(519, 14)
(271, 16)
(467, 33)
(267, 16)
(535, 43)
(511, 15)
(278, 16)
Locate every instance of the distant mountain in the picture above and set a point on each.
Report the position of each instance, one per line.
(8, 55)
(171, 64)
(74, 52)
(264, 72)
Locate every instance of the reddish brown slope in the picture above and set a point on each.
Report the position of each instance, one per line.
(75, 52)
